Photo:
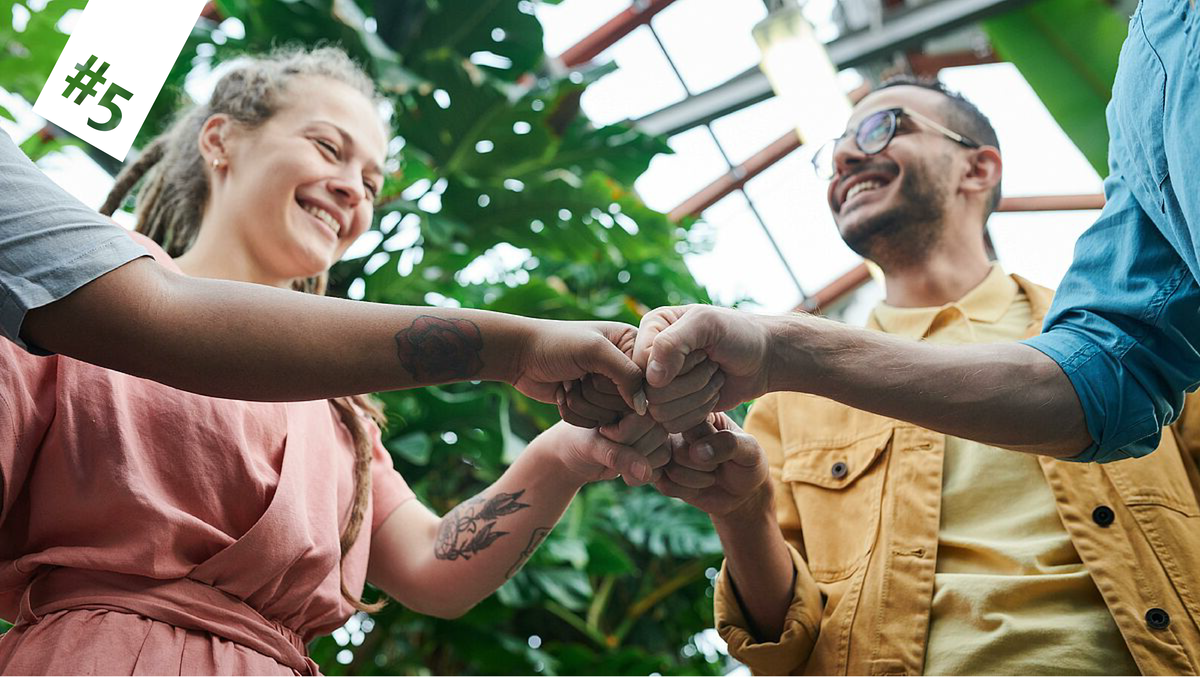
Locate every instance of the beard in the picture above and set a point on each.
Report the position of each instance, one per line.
(903, 235)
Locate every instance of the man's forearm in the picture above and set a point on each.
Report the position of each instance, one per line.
(1005, 394)
(244, 341)
(758, 563)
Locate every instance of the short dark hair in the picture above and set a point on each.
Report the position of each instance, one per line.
(960, 115)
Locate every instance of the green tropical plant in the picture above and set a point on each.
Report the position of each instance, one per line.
(501, 195)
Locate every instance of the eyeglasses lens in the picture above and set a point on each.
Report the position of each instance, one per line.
(876, 131)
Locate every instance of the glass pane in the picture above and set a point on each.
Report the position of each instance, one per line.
(751, 129)
(741, 266)
(1039, 245)
(78, 174)
(570, 21)
(671, 179)
(1028, 134)
(643, 83)
(792, 202)
(710, 40)
(855, 308)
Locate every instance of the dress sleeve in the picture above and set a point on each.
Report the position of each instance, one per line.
(388, 488)
(790, 652)
(27, 405)
(50, 243)
(1124, 328)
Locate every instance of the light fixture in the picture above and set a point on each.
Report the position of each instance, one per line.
(799, 70)
(802, 75)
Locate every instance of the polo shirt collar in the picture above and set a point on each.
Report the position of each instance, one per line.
(987, 302)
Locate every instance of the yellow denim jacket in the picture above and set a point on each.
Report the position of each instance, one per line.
(857, 497)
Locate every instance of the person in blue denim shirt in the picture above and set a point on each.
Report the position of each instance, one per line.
(1125, 326)
(1121, 345)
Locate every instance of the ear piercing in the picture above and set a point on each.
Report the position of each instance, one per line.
(217, 163)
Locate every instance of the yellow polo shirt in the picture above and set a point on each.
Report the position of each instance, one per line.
(1011, 595)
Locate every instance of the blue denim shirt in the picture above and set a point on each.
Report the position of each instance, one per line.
(1125, 324)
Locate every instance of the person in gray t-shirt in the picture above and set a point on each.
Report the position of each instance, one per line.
(72, 282)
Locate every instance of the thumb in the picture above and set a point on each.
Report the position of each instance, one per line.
(700, 431)
(747, 453)
(670, 348)
(652, 323)
(624, 460)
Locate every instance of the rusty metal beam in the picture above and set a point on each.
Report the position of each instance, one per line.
(211, 12)
(900, 30)
(836, 290)
(929, 65)
(858, 276)
(638, 14)
(1051, 203)
(736, 177)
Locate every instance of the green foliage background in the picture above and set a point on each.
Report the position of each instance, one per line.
(620, 587)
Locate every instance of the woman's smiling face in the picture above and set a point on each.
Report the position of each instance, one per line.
(301, 187)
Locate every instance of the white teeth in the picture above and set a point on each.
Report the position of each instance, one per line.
(324, 216)
(860, 187)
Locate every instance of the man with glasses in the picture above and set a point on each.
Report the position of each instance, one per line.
(858, 544)
(1121, 346)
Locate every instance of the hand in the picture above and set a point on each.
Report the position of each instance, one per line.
(739, 343)
(690, 397)
(559, 351)
(716, 467)
(591, 402)
(588, 456)
(594, 401)
(644, 435)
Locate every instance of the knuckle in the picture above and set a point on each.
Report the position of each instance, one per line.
(610, 457)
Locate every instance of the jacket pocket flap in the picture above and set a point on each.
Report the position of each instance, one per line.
(835, 467)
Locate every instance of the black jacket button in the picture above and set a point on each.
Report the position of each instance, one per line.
(1158, 619)
(1103, 515)
(839, 470)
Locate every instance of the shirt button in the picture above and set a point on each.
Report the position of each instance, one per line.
(839, 470)
(1103, 515)
(1158, 619)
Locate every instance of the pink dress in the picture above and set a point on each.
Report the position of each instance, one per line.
(146, 530)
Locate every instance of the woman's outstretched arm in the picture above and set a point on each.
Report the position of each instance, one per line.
(251, 342)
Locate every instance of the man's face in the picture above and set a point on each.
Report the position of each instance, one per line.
(890, 207)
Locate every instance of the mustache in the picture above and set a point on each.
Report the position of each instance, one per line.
(875, 166)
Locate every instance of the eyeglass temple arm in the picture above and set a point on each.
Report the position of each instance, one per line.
(954, 136)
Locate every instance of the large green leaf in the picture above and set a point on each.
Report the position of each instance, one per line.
(1067, 50)
(27, 57)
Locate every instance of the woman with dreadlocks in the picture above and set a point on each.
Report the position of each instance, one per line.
(150, 530)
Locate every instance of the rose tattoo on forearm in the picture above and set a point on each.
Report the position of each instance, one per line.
(470, 527)
(436, 350)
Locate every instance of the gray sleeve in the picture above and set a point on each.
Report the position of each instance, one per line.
(50, 243)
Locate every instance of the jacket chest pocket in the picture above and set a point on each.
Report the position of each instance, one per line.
(838, 492)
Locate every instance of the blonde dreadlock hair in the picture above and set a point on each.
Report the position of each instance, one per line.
(172, 201)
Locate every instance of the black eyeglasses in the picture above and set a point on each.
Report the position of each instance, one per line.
(875, 133)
